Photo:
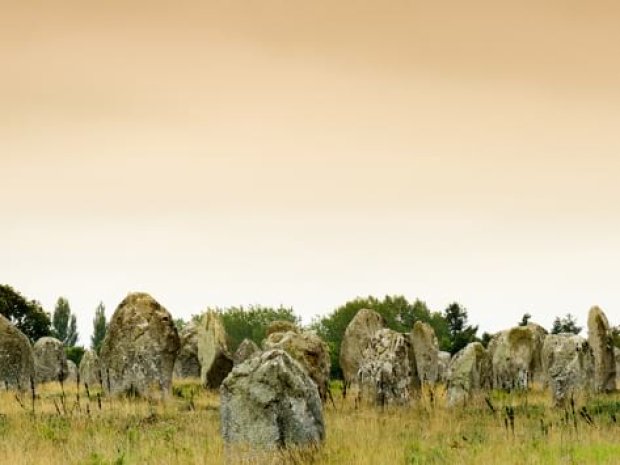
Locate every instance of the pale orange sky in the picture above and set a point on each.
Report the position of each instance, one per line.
(304, 153)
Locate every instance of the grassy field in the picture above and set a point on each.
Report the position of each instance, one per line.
(184, 429)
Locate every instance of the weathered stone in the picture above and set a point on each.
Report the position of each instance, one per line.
(17, 367)
(569, 365)
(443, 361)
(356, 337)
(468, 372)
(270, 402)
(139, 348)
(246, 349)
(50, 360)
(90, 369)
(309, 350)
(617, 356)
(281, 326)
(72, 372)
(601, 342)
(385, 372)
(426, 352)
(187, 364)
(215, 360)
(516, 357)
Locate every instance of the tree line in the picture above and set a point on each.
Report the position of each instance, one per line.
(451, 325)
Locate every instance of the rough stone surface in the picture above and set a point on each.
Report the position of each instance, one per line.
(468, 372)
(50, 360)
(617, 356)
(516, 357)
(72, 372)
(281, 326)
(246, 349)
(17, 366)
(187, 364)
(139, 349)
(568, 362)
(426, 352)
(385, 372)
(356, 337)
(90, 369)
(269, 402)
(443, 361)
(309, 350)
(215, 360)
(600, 340)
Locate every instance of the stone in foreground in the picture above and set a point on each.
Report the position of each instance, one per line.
(385, 372)
(270, 402)
(50, 360)
(90, 369)
(356, 337)
(139, 349)
(469, 371)
(309, 350)
(569, 365)
(601, 342)
(215, 360)
(187, 364)
(16, 357)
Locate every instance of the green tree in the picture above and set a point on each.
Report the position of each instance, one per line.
(525, 319)
(460, 332)
(566, 324)
(26, 315)
(64, 324)
(75, 354)
(251, 322)
(100, 327)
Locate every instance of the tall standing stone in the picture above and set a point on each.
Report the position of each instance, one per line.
(469, 371)
(270, 402)
(50, 360)
(90, 369)
(385, 372)
(17, 367)
(215, 360)
(426, 352)
(187, 364)
(568, 362)
(516, 357)
(601, 342)
(617, 356)
(443, 361)
(139, 348)
(356, 337)
(309, 350)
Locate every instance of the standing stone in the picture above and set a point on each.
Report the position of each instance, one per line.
(516, 357)
(443, 361)
(215, 360)
(72, 372)
(50, 360)
(469, 371)
(601, 342)
(385, 372)
(356, 337)
(246, 349)
(90, 369)
(426, 352)
(568, 362)
(270, 402)
(617, 356)
(17, 365)
(309, 350)
(139, 348)
(281, 326)
(187, 364)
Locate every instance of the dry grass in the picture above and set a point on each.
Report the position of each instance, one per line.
(185, 430)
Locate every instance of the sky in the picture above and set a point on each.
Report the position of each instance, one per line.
(217, 153)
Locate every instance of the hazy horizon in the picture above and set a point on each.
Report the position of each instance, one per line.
(216, 154)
